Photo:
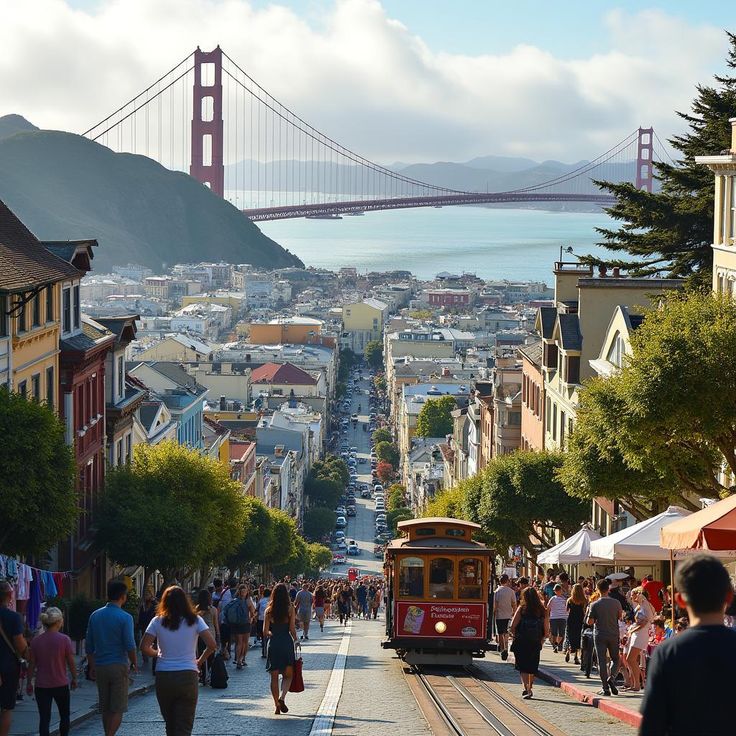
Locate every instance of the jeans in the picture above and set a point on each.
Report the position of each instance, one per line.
(603, 645)
(44, 699)
(177, 694)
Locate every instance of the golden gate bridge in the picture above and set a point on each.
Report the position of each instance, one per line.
(207, 116)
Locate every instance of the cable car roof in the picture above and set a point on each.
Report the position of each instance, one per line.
(411, 523)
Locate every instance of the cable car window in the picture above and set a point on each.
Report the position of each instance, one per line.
(441, 578)
(425, 532)
(411, 577)
(470, 579)
(455, 532)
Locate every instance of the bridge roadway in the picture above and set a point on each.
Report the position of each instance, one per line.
(326, 209)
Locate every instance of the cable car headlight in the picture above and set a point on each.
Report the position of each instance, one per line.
(440, 627)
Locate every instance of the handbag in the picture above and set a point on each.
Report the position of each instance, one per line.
(297, 681)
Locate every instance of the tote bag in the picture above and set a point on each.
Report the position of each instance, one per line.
(297, 681)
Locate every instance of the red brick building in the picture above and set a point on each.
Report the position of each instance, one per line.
(449, 297)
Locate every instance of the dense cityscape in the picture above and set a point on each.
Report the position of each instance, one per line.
(242, 491)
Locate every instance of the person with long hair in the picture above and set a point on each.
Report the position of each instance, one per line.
(209, 615)
(177, 628)
(279, 627)
(529, 628)
(239, 614)
(51, 656)
(320, 600)
(576, 605)
(638, 636)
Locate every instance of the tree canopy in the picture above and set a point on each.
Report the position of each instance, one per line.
(374, 353)
(326, 481)
(672, 230)
(172, 509)
(385, 472)
(396, 497)
(318, 522)
(381, 435)
(388, 452)
(38, 503)
(435, 419)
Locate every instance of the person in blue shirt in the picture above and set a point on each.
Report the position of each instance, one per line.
(111, 653)
(13, 647)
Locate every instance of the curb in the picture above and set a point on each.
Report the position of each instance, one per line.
(94, 711)
(630, 717)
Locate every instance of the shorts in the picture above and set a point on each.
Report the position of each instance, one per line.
(320, 611)
(224, 633)
(8, 689)
(239, 629)
(557, 626)
(112, 687)
(502, 625)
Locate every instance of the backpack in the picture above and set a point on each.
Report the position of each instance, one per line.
(530, 629)
(218, 672)
(234, 613)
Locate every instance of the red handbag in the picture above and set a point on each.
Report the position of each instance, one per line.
(297, 681)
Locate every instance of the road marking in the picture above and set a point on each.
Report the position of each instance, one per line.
(322, 725)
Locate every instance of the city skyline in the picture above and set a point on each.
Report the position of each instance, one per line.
(407, 91)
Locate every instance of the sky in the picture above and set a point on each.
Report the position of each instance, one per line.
(396, 80)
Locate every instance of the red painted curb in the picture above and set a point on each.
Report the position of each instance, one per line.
(630, 717)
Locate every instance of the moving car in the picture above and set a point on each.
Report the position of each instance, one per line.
(338, 559)
(365, 493)
(351, 511)
(353, 548)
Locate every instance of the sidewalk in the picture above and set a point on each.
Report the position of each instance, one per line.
(83, 704)
(569, 678)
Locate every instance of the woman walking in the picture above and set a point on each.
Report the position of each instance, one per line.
(320, 600)
(576, 605)
(529, 628)
(279, 626)
(177, 629)
(51, 656)
(638, 636)
(208, 613)
(239, 614)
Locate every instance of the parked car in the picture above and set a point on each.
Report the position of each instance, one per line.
(362, 460)
(340, 511)
(377, 488)
(339, 535)
(351, 511)
(338, 559)
(365, 493)
(340, 522)
(342, 545)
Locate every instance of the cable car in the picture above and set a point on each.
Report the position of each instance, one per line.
(437, 605)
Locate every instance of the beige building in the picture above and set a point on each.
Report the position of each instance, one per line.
(179, 348)
(363, 322)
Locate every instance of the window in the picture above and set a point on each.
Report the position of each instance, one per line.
(411, 577)
(549, 415)
(129, 447)
(554, 421)
(441, 578)
(23, 388)
(426, 532)
(573, 369)
(562, 429)
(50, 386)
(119, 458)
(514, 419)
(36, 387)
(121, 376)
(37, 310)
(455, 532)
(77, 308)
(66, 310)
(470, 578)
(50, 303)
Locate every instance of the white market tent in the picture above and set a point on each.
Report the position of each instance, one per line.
(570, 551)
(639, 542)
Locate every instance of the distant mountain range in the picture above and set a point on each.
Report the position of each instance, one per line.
(64, 186)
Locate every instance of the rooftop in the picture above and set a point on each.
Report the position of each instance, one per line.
(282, 373)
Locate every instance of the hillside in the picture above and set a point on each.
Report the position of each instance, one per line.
(64, 186)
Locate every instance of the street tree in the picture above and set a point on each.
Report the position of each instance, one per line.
(253, 547)
(672, 230)
(374, 353)
(320, 557)
(400, 514)
(38, 501)
(385, 472)
(451, 501)
(388, 452)
(396, 497)
(519, 500)
(435, 419)
(283, 538)
(381, 435)
(318, 522)
(173, 509)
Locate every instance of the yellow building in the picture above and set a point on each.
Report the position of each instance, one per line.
(32, 282)
(363, 322)
(287, 331)
(228, 299)
(724, 216)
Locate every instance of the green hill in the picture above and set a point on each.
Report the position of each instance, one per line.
(64, 186)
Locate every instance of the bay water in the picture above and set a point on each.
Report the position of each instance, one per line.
(493, 243)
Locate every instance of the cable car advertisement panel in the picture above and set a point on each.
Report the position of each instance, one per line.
(455, 620)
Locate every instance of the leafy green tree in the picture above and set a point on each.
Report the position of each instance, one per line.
(173, 509)
(318, 522)
(320, 557)
(381, 435)
(380, 383)
(394, 517)
(347, 361)
(253, 548)
(396, 497)
(672, 230)
(283, 538)
(450, 502)
(519, 499)
(388, 452)
(38, 501)
(326, 481)
(374, 353)
(435, 419)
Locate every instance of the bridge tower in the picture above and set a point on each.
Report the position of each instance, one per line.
(644, 157)
(206, 163)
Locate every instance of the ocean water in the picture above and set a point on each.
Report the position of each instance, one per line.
(494, 243)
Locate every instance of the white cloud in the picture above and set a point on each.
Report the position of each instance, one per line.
(360, 76)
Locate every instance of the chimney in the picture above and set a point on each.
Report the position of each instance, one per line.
(223, 403)
(616, 272)
(602, 270)
(278, 451)
(733, 134)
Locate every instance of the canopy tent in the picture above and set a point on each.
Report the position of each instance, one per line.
(572, 550)
(712, 528)
(639, 542)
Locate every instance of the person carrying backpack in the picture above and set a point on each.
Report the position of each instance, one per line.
(238, 614)
(529, 628)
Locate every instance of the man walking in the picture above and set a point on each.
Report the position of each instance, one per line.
(111, 654)
(361, 593)
(13, 647)
(689, 687)
(504, 606)
(605, 614)
(303, 606)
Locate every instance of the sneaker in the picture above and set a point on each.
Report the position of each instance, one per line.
(567, 656)
(528, 696)
(504, 654)
(523, 693)
(612, 685)
(603, 691)
(238, 666)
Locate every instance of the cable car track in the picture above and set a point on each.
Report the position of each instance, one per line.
(468, 705)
